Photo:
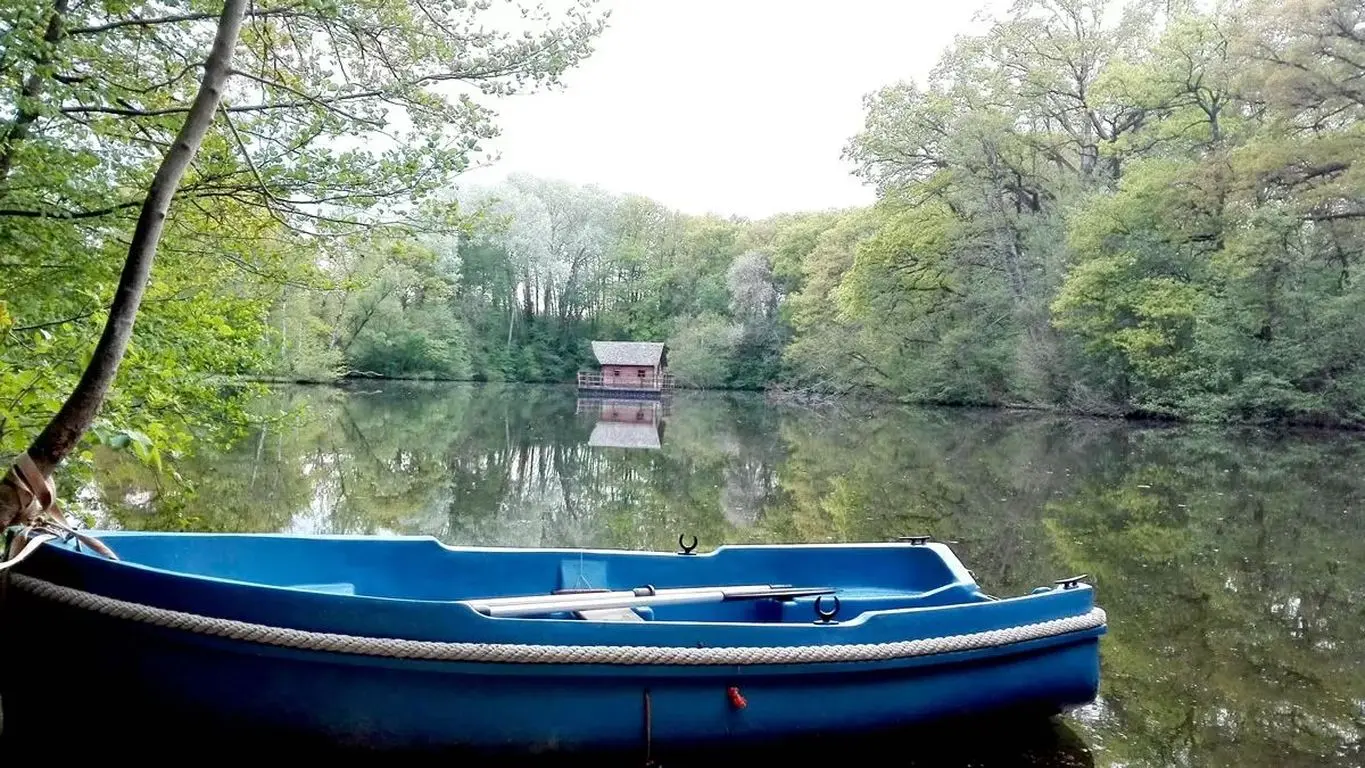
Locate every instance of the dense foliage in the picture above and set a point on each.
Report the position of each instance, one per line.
(1155, 211)
(339, 118)
(1159, 211)
(543, 268)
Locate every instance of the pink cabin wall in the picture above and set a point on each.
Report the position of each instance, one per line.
(626, 375)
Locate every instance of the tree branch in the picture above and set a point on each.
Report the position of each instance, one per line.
(67, 213)
(51, 323)
(137, 22)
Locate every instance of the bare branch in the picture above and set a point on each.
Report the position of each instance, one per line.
(180, 19)
(69, 214)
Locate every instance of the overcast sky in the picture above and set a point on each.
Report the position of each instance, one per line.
(725, 106)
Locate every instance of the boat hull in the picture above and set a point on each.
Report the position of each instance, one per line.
(206, 682)
(413, 704)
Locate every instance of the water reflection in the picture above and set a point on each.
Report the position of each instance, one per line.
(1232, 562)
(633, 423)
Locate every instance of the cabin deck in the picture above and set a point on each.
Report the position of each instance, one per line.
(645, 386)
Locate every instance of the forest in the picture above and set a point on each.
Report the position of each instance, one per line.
(1142, 209)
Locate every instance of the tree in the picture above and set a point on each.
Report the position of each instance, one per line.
(26, 484)
(556, 239)
(1007, 135)
(753, 305)
(827, 353)
(700, 351)
(1217, 281)
(1139, 210)
(329, 117)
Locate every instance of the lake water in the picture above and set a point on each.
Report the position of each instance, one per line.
(1232, 562)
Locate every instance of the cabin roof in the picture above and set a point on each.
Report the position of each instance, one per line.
(628, 352)
(614, 434)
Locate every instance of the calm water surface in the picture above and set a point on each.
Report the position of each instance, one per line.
(1232, 562)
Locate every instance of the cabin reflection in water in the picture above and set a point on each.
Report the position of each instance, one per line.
(625, 423)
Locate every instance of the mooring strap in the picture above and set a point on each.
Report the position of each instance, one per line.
(22, 545)
(32, 484)
(36, 488)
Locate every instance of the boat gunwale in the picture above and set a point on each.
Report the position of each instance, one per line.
(951, 656)
(961, 576)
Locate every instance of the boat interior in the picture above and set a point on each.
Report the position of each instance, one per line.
(864, 577)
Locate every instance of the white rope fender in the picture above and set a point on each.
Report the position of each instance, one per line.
(510, 653)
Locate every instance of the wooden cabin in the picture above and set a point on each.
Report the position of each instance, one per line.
(628, 367)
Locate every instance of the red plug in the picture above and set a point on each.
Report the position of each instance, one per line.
(737, 699)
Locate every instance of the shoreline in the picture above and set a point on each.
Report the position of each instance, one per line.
(780, 397)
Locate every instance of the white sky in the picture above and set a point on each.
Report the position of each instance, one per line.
(725, 106)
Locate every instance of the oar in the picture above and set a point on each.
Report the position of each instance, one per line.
(660, 597)
(597, 595)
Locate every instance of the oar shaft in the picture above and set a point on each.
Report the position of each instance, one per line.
(634, 601)
(534, 599)
(690, 597)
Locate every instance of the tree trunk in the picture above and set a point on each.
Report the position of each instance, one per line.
(65, 430)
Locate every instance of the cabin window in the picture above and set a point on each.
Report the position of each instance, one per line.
(640, 373)
(615, 371)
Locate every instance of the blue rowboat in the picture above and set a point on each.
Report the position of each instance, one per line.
(393, 641)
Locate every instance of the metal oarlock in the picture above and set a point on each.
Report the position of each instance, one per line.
(1071, 582)
(684, 548)
(826, 616)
